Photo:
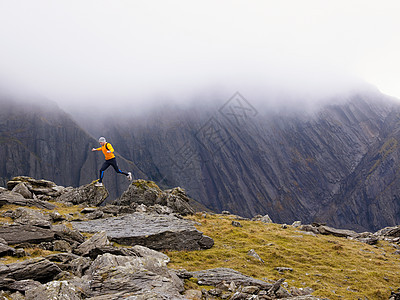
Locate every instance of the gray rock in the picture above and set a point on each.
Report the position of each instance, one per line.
(62, 246)
(20, 252)
(337, 232)
(56, 216)
(12, 198)
(98, 214)
(309, 228)
(79, 265)
(139, 276)
(96, 241)
(193, 294)
(218, 275)
(27, 216)
(177, 200)
(141, 251)
(93, 253)
(37, 187)
(264, 219)
(6, 250)
(254, 254)
(389, 232)
(23, 285)
(62, 257)
(16, 296)
(18, 234)
(296, 224)
(112, 209)
(149, 194)
(63, 232)
(283, 269)
(38, 269)
(87, 194)
(150, 230)
(88, 210)
(55, 290)
(236, 224)
(22, 189)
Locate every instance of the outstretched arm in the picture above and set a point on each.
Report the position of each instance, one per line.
(96, 149)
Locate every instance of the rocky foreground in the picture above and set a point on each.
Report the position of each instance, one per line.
(111, 251)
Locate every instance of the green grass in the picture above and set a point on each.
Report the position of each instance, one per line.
(334, 267)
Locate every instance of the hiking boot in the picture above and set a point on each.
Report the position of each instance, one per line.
(98, 184)
(129, 176)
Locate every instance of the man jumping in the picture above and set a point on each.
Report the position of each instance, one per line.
(108, 152)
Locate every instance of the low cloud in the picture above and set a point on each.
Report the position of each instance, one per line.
(119, 54)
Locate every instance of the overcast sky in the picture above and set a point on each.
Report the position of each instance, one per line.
(82, 51)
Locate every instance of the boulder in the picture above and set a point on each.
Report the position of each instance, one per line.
(150, 230)
(254, 254)
(139, 277)
(37, 187)
(13, 198)
(87, 194)
(55, 290)
(389, 232)
(23, 285)
(22, 189)
(18, 234)
(149, 194)
(78, 266)
(96, 241)
(216, 276)
(62, 257)
(177, 199)
(336, 232)
(27, 216)
(6, 250)
(61, 246)
(37, 269)
(63, 232)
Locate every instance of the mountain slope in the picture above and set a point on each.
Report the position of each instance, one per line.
(290, 165)
(369, 196)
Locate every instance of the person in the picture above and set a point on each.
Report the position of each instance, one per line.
(108, 152)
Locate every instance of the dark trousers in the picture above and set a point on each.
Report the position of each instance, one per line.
(111, 162)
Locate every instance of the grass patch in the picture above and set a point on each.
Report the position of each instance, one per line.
(32, 253)
(334, 267)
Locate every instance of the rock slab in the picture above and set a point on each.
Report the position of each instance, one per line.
(154, 231)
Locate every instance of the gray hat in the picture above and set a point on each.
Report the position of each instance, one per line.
(102, 140)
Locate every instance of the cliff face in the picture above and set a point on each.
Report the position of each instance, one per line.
(369, 196)
(38, 139)
(289, 165)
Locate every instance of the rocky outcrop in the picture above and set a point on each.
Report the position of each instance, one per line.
(216, 276)
(18, 234)
(231, 284)
(391, 234)
(143, 276)
(88, 194)
(149, 194)
(151, 230)
(31, 188)
(15, 198)
(38, 269)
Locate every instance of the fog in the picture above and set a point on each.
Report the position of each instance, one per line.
(141, 54)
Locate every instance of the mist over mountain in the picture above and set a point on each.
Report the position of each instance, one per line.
(291, 163)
